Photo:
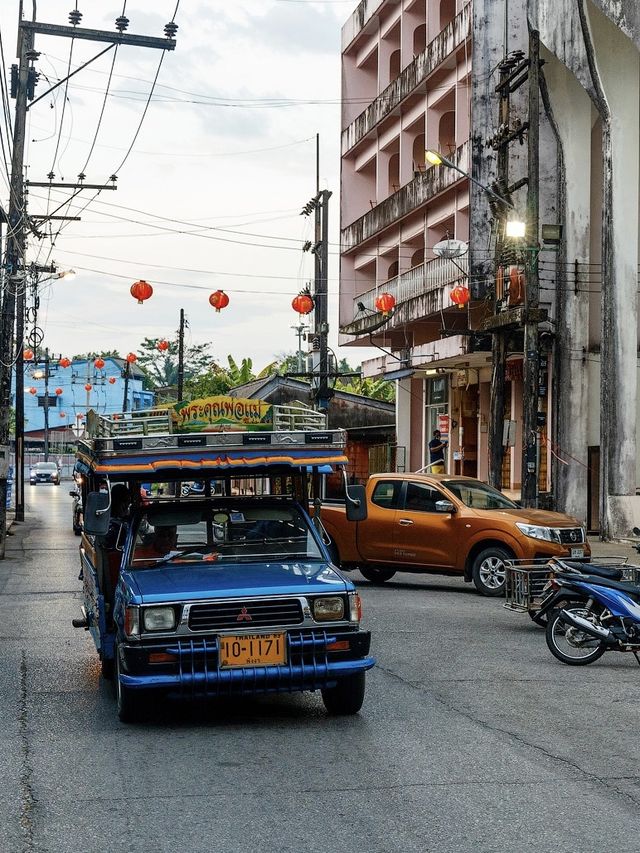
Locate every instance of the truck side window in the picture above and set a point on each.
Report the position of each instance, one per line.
(421, 498)
(387, 494)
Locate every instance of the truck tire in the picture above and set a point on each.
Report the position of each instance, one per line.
(376, 575)
(130, 704)
(488, 570)
(346, 697)
(107, 667)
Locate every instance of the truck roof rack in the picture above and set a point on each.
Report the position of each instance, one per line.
(158, 420)
(141, 445)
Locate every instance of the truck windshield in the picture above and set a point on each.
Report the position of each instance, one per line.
(238, 531)
(478, 495)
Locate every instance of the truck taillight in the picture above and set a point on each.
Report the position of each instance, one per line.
(132, 622)
(355, 607)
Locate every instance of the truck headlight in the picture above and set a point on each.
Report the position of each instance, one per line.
(159, 619)
(328, 609)
(535, 532)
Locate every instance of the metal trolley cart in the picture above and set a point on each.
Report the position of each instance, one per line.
(526, 579)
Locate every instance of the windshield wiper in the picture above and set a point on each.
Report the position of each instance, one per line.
(171, 557)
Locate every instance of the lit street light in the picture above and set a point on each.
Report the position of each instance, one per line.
(437, 159)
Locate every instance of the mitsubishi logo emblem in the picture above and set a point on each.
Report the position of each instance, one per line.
(244, 616)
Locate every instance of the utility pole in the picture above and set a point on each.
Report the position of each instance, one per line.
(13, 300)
(46, 405)
(15, 284)
(498, 338)
(127, 374)
(519, 313)
(181, 355)
(530, 381)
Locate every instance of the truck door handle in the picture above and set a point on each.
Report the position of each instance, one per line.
(405, 521)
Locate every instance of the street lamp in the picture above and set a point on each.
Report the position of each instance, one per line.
(437, 159)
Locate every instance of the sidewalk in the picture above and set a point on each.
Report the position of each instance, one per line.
(614, 549)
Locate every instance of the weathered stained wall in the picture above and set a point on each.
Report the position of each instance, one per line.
(488, 49)
(596, 72)
(625, 14)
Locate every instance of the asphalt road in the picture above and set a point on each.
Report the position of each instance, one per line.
(472, 736)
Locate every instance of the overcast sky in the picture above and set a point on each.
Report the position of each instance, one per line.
(226, 150)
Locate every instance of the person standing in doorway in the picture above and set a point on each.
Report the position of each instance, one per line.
(436, 453)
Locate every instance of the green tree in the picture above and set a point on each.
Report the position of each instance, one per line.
(110, 353)
(161, 367)
(376, 389)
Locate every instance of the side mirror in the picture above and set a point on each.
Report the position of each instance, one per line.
(96, 513)
(636, 531)
(356, 503)
(445, 506)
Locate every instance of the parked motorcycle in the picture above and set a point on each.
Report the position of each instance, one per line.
(589, 614)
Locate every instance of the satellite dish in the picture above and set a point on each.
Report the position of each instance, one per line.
(450, 249)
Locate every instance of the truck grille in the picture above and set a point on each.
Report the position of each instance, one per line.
(570, 535)
(221, 616)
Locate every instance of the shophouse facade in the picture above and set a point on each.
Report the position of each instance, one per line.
(406, 88)
(421, 75)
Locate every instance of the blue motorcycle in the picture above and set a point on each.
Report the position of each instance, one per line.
(589, 615)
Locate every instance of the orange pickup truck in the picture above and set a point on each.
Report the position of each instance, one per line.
(446, 525)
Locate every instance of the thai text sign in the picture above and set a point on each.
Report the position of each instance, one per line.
(213, 414)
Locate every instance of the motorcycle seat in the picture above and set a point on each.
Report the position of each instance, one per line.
(610, 572)
(631, 589)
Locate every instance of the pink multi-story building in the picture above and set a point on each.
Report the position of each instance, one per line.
(406, 88)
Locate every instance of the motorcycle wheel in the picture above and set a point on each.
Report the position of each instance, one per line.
(571, 645)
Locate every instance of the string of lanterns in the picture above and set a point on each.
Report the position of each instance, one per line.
(303, 303)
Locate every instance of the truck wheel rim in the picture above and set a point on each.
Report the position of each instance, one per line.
(492, 572)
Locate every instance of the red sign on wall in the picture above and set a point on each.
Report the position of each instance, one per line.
(443, 424)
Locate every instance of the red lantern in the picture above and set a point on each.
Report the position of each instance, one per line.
(112, 380)
(98, 363)
(303, 303)
(27, 355)
(64, 362)
(58, 391)
(141, 290)
(33, 391)
(460, 295)
(219, 300)
(132, 358)
(163, 345)
(385, 303)
(88, 387)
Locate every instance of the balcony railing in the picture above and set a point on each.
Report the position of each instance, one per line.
(421, 189)
(436, 52)
(419, 292)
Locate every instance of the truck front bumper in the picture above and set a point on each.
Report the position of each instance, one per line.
(196, 671)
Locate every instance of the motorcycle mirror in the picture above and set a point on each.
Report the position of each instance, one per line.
(636, 531)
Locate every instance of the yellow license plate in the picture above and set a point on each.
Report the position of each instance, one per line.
(252, 650)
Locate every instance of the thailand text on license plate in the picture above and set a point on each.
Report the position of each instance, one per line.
(252, 650)
(577, 552)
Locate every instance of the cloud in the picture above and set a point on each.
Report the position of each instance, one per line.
(298, 29)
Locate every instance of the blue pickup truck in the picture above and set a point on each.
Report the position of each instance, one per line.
(222, 593)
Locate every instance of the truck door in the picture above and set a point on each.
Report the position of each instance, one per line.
(375, 534)
(423, 536)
